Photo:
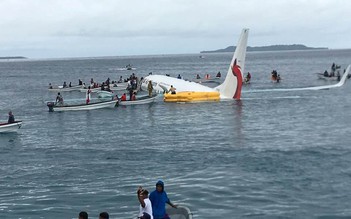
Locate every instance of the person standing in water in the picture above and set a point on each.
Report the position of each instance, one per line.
(150, 88)
(88, 96)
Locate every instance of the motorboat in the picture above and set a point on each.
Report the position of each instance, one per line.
(63, 89)
(10, 127)
(74, 107)
(328, 78)
(140, 100)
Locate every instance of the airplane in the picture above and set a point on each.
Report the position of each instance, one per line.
(229, 89)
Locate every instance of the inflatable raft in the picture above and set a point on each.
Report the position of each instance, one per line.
(192, 96)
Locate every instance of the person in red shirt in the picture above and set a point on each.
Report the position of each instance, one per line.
(124, 97)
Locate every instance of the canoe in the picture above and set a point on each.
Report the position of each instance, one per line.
(139, 100)
(10, 127)
(192, 96)
(90, 106)
(181, 212)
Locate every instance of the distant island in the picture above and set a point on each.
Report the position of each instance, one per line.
(268, 48)
(13, 57)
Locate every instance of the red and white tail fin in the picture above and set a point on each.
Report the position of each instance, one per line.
(231, 87)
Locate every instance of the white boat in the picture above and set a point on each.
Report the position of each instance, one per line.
(181, 212)
(139, 100)
(10, 127)
(63, 89)
(105, 94)
(327, 78)
(90, 106)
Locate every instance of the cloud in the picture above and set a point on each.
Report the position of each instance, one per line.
(54, 25)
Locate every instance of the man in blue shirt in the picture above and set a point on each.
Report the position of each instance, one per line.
(158, 200)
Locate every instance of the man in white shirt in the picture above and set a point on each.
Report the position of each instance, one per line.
(145, 203)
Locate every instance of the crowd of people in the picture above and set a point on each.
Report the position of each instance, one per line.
(151, 206)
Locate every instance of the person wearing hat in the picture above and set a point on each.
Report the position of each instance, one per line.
(158, 200)
(145, 203)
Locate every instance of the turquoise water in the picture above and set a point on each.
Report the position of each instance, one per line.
(270, 155)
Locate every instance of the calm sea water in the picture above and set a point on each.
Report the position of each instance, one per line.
(270, 155)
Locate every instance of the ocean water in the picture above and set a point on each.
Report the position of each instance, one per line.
(270, 155)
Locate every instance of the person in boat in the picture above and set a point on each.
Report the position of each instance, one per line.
(103, 86)
(59, 99)
(218, 75)
(108, 88)
(145, 203)
(158, 200)
(150, 88)
(88, 96)
(11, 118)
(124, 97)
(70, 84)
(104, 215)
(83, 215)
(120, 80)
(179, 77)
(338, 75)
(198, 76)
(50, 86)
(64, 84)
(80, 82)
(133, 96)
(207, 76)
(172, 90)
(326, 74)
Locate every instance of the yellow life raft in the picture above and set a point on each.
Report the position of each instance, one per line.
(192, 96)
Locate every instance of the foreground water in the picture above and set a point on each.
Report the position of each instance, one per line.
(270, 155)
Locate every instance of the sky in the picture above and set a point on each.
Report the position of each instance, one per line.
(93, 28)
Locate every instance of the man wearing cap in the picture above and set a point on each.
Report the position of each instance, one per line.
(158, 200)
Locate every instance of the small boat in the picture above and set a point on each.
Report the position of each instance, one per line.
(192, 96)
(75, 107)
(181, 212)
(63, 89)
(10, 127)
(140, 100)
(328, 78)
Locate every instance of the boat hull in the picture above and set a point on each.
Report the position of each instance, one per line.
(91, 106)
(142, 100)
(10, 127)
(66, 89)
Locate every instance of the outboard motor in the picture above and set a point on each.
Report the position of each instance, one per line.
(51, 106)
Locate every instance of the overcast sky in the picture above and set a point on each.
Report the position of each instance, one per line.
(85, 28)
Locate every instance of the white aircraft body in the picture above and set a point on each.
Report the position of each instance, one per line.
(229, 89)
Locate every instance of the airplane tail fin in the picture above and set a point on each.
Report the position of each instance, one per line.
(231, 87)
